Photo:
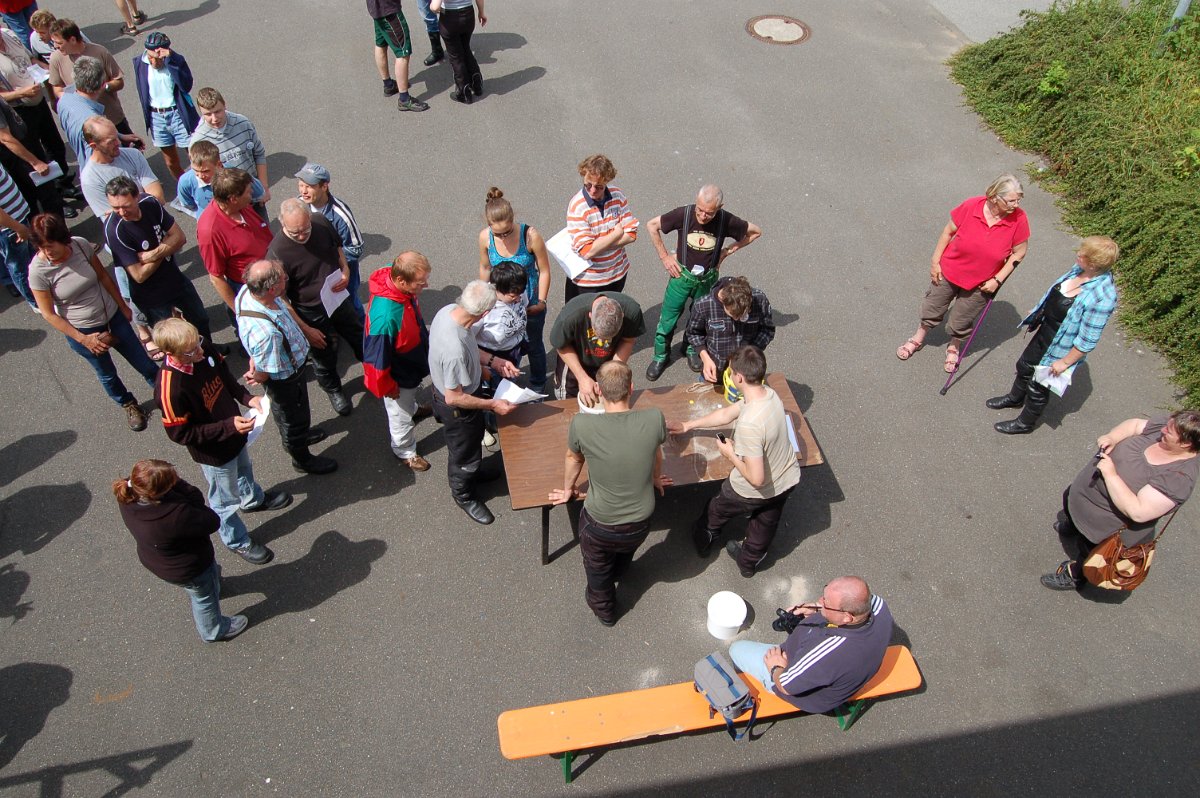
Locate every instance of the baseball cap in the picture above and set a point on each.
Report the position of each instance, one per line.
(313, 174)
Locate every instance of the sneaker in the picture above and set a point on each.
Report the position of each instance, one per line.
(1061, 579)
(135, 416)
(390, 89)
(411, 104)
(255, 554)
(734, 550)
(237, 625)
(272, 500)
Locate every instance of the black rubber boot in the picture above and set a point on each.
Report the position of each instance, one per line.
(1014, 398)
(437, 53)
(1035, 402)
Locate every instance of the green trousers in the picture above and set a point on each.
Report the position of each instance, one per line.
(679, 290)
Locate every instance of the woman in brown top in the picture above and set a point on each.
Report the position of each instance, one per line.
(1143, 470)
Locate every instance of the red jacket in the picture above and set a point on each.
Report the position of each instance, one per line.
(395, 339)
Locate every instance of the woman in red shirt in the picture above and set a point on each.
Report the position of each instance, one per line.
(979, 248)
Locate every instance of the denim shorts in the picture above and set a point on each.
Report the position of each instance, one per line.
(167, 129)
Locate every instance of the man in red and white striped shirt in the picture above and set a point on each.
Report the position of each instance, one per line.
(601, 226)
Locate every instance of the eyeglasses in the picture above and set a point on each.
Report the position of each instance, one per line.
(825, 608)
(593, 186)
(198, 349)
(1008, 201)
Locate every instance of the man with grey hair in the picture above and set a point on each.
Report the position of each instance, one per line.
(837, 645)
(310, 250)
(108, 160)
(278, 353)
(78, 104)
(694, 266)
(591, 330)
(456, 368)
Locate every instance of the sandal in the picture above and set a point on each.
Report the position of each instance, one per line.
(909, 348)
(152, 349)
(140, 17)
(952, 359)
(130, 30)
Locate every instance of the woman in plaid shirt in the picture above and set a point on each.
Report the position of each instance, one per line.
(1067, 323)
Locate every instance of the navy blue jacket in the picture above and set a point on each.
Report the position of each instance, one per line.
(180, 73)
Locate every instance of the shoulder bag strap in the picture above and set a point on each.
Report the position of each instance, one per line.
(287, 345)
(681, 244)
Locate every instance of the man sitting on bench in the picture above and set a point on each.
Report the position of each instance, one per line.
(836, 647)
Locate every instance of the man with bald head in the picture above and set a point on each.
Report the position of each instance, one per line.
(310, 250)
(835, 649)
(278, 353)
(694, 266)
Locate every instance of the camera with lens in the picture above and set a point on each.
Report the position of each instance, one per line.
(786, 622)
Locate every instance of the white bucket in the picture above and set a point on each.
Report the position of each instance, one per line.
(726, 614)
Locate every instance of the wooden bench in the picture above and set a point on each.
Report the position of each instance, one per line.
(573, 726)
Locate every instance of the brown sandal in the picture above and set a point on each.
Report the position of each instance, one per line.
(909, 348)
(952, 359)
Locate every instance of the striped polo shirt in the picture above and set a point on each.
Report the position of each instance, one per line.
(238, 142)
(11, 200)
(586, 222)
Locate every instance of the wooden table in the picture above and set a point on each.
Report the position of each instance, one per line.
(534, 441)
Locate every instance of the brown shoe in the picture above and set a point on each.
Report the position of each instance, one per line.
(416, 462)
(135, 416)
(423, 411)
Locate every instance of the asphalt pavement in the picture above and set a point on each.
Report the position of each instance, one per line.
(390, 631)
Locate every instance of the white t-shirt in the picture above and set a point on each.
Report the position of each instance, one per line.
(504, 325)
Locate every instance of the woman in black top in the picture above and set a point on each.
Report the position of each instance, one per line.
(172, 526)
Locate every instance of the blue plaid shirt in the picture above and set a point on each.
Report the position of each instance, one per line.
(1085, 319)
(263, 339)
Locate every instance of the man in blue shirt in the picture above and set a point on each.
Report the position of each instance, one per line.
(82, 102)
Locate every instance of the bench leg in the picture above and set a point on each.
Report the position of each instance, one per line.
(546, 534)
(568, 762)
(848, 713)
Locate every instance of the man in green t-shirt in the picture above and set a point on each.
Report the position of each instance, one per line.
(623, 452)
(765, 470)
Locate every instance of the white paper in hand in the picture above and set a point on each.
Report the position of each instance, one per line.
(331, 299)
(509, 391)
(560, 249)
(1057, 383)
(260, 419)
(54, 173)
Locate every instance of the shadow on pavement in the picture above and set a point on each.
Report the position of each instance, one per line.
(34, 516)
(1074, 752)
(333, 564)
(123, 767)
(13, 584)
(18, 340)
(24, 455)
(29, 692)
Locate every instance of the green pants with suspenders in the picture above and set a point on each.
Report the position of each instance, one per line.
(675, 299)
(686, 286)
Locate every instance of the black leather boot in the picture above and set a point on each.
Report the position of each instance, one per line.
(1035, 402)
(437, 53)
(1014, 398)
(464, 496)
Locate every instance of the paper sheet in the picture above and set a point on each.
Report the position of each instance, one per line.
(560, 250)
(331, 299)
(260, 419)
(54, 173)
(1058, 384)
(38, 74)
(509, 391)
(792, 434)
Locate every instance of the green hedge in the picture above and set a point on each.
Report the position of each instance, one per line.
(1112, 102)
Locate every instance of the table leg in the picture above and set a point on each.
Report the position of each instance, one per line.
(546, 534)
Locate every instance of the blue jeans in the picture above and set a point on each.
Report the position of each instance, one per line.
(16, 255)
(431, 21)
(534, 326)
(190, 305)
(748, 655)
(205, 593)
(352, 287)
(131, 349)
(231, 487)
(18, 22)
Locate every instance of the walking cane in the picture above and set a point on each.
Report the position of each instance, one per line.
(967, 345)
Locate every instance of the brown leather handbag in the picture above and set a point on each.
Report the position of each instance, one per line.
(1114, 566)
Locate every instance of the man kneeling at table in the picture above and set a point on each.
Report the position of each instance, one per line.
(623, 452)
(835, 649)
(765, 470)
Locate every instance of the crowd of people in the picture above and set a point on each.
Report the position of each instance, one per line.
(294, 299)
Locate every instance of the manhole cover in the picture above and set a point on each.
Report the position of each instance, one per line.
(777, 29)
